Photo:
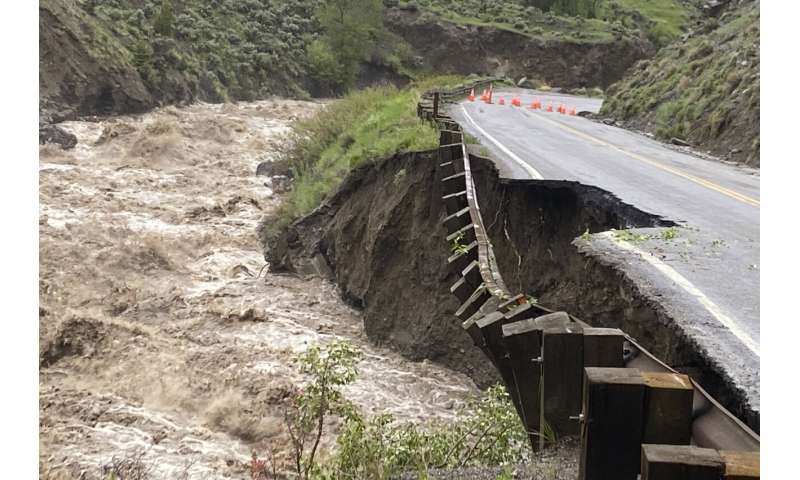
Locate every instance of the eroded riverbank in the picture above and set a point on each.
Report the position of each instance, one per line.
(161, 338)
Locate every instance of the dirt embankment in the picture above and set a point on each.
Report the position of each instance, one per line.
(445, 47)
(80, 72)
(390, 258)
(380, 238)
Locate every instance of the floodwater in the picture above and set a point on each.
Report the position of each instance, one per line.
(164, 343)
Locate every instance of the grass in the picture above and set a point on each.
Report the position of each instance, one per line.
(701, 89)
(661, 21)
(668, 17)
(365, 125)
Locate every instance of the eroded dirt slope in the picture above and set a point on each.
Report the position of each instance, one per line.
(160, 337)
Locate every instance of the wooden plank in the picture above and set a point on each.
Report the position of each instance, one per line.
(602, 347)
(680, 462)
(741, 465)
(459, 260)
(562, 376)
(457, 221)
(454, 183)
(464, 235)
(524, 344)
(472, 274)
(461, 289)
(473, 303)
(668, 408)
(455, 202)
(613, 405)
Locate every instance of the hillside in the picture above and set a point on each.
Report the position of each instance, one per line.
(704, 89)
(122, 56)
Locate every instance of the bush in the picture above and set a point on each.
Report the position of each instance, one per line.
(487, 431)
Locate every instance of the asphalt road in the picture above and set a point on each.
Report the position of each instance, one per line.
(707, 277)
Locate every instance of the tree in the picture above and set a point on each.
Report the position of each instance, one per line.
(350, 28)
(164, 20)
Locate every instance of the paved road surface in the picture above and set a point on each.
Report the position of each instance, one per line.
(708, 276)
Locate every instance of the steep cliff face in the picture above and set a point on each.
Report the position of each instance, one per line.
(380, 238)
(82, 69)
(705, 89)
(463, 49)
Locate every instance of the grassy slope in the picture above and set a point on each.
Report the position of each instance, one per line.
(662, 21)
(705, 90)
(363, 126)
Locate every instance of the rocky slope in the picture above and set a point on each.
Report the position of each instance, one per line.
(704, 89)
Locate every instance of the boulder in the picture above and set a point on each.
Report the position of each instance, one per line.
(55, 134)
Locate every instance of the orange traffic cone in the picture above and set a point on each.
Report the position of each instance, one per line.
(471, 96)
(550, 108)
(502, 101)
(516, 102)
(573, 112)
(562, 109)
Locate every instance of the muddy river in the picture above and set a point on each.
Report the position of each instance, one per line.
(163, 340)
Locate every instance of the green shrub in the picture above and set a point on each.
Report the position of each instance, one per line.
(486, 431)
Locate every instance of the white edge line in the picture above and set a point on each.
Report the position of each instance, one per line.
(531, 171)
(687, 286)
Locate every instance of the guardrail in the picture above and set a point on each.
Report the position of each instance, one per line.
(635, 415)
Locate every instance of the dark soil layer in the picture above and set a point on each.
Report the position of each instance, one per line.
(380, 238)
(445, 47)
(532, 226)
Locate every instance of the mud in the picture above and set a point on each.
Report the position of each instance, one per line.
(164, 343)
(389, 258)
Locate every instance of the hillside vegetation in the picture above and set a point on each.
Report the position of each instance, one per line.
(660, 21)
(131, 55)
(704, 90)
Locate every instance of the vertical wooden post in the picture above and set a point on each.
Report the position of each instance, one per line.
(680, 462)
(562, 377)
(613, 407)
(435, 104)
(668, 409)
(602, 347)
(524, 344)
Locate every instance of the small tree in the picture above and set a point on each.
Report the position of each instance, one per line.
(329, 367)
(165, 19)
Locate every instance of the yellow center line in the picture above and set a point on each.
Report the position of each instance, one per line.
(700, 181)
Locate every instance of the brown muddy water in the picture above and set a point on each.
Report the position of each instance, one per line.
(159, 341)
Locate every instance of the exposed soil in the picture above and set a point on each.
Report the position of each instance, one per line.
(445, 47)
(162, 343)
(390, 257)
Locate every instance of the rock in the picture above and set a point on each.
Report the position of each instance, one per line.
(522, 81)
(609, 121)
(57, 135)
(679, 141)
(270, 168)
(734, 151)
(586, 114)
(280, 184)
